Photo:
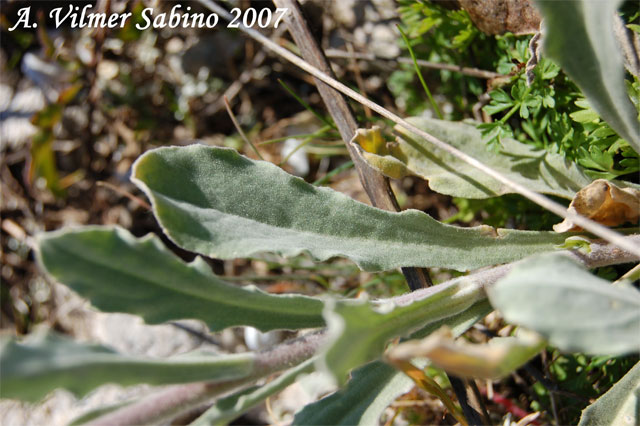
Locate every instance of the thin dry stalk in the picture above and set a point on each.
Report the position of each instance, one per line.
(358, 75)
(239, 129)
(124, 193)
(471, 72)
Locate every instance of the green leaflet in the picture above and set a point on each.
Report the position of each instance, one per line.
(536, 169)
(619, 406)
(574, 310)
(32, 369)
(580, 38)
(367, 327)
(371, 389)
(120, 273)
(216, 202)
(228, 408)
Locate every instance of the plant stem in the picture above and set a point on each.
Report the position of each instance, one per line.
(321, 131)
(510, 113)
(306, 105)
(324, 179)
(472, 72)
(175, 400)
(294, 150)
(239, 129)
(417, 68)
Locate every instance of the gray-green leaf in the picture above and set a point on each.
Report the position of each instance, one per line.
(228, 408)
(371, 389)
(366, 328)
(619, 406)
(534, 168)
(120, 273)
(575, 310)
(32, 369)
(216, 202)
(580, 38)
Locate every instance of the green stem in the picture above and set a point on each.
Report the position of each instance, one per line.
(306, 105)
(321, 131)
(417, 68)
(516, 106)
(332, 173)
(510, 113)
(294, 150)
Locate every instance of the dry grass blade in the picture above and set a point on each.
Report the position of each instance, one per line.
(471, 72)
(239, 129)
(125, 193)
(552, 206)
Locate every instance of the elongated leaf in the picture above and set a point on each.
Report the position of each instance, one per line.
(120, 273)
(32, 369)
(358, 333)
(537, 169)
(619, 406)
(228, 408)
(580, 38)
(215, 202)
(573, 309)
(375, 385)
(371, 389)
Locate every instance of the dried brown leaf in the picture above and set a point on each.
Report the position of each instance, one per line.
(605, 203)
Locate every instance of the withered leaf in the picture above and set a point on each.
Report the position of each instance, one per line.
(495, 359)
(605, 203)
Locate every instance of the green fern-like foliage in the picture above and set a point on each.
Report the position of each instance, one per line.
(551, 113)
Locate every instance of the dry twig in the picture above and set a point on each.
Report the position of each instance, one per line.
(239, 129)
(471, 72)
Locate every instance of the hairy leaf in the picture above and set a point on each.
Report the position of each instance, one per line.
(120, 273)
(580, 38)
(228, 408)
(619, 406)
(32, 369)
(534, 168)
(216, 202)
(371, 389)
(575, 310)
(367, 327)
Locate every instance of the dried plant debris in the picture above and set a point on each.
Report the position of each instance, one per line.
(501, 16)
(605, 203)
(492, 360)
